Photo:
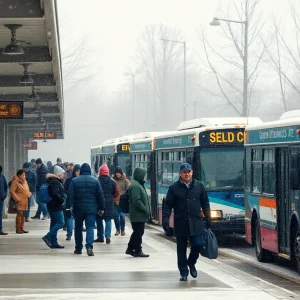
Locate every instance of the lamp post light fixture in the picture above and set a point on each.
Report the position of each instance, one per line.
(14, 48)
(133, 100)
(216, 22)
(184, 72)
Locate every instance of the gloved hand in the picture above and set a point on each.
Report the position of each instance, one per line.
(68, 213)
(167, 229)
(100, 213)
(208, 222)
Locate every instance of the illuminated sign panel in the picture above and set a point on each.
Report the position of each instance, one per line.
(123, 148)
(44, 135)
(222, 137)
(11, 110)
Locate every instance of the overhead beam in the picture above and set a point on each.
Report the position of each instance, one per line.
(43, 97)
(35, 121)
(42, 110)
(31, 55)
(39, 80)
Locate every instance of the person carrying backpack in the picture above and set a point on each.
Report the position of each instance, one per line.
(55, 206)
(123, 184)
(3, 194)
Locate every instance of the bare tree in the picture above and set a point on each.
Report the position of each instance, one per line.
(161, 60)
(236, 87)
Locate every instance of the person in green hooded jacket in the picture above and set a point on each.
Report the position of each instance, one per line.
(139, 213)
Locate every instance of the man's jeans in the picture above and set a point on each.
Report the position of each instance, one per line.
(119, 218)
(69, 223)
(100, 229)
(1, 211)
(90, 220)
(56, 222)
(42, 207)
(30, 203)
(183, 262)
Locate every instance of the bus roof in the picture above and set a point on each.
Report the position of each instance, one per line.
(212, 122)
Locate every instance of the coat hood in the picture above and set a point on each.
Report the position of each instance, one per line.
(85, 169)
(51, 176)
(103, 170)
(139, 175)
(75, 169)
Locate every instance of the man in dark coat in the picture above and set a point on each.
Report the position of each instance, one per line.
(139, 212)
(86, 197)
(55, 206)
(3, 194)
(31, 181)
(69, 221)
(41, 173)
(187, 197)
(110, 191)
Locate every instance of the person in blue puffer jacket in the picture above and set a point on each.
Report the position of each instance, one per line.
(85, 196)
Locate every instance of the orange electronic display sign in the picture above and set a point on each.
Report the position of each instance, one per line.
(44, 135)
(11, 110)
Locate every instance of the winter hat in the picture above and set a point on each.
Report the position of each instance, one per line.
(118, 170)
(104, 170)
(58, 170)
(26, 165)
(58, 159)
(38, 161)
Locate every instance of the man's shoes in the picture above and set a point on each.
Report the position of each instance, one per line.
(141, 254)
(3, 233)
(107, 238)
(27, 220)
(45, 218)
(117, 232)
(77, 251)
(25, 231)
(193, 271)
(19, 232)
(122, 232)
(35, 218)
(47, 241)
(90, 252)
(83, 229)
(129, 252)
(68, 238)
(99, 240)
(57, 247)
(183, 278)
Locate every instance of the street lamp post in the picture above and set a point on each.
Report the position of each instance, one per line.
(133, 102)
(216, 22)
(184, 73)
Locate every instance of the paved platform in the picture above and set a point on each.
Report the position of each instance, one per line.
(30, 270)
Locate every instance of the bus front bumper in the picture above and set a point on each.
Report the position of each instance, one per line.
(230, 225)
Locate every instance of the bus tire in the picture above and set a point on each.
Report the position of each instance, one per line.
(297, 250)
(261, 254)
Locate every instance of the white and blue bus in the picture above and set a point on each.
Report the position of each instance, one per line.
(215, 149)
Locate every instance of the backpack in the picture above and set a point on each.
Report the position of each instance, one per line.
(44, 194)
(124, 203)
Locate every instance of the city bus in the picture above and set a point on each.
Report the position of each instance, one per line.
(272, 188)
(113, 152)
(215, 149)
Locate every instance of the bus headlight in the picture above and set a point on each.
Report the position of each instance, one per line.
(216, 214)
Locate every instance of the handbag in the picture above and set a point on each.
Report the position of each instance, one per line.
(210, 245)
(12, 206)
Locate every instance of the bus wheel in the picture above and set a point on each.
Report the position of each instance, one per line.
(297, 250)
(261, 254)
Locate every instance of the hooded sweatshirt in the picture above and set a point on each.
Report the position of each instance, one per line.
(139, 210)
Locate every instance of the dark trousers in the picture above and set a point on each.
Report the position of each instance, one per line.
(135, 242)
(196, 243)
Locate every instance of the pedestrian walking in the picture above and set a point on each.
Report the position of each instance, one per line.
(187, 197)
(19, 191)
(86, 199)
(139, 213)
(110, 192)
(3, 195)
(123, 184)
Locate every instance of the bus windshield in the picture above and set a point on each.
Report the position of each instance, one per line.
(222, 168)
(124, 161)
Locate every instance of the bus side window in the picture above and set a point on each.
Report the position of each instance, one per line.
(295, 170)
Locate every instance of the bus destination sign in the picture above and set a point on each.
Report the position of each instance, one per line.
(222, 137)
(123, 147)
